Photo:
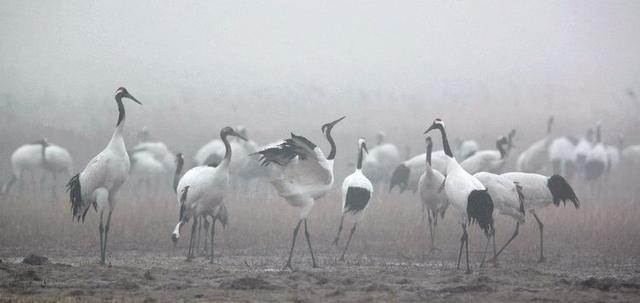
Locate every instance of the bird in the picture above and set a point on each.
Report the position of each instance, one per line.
(160, 153)
(380, 161)
(535, 157)
(26, 158)
(101, 179)
(407, 174)
(540, 191)
(583, 148)
(508, 200)
(146, 169)
(488, 160)
(301, 174)
(434, 200)
(56, 161)
(201, 191)
(562, 155)
(597, 158)
(356, 193)
(467, 148)
(470, 200)
(631, 155)
(614, 155)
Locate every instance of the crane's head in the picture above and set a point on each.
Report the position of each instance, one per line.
(437, 124)
(229, 131)
(326, 128)
(122, 92)
(179, 159)
(362, 143)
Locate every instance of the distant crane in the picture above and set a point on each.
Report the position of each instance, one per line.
(407, 174)
(534, 158)
(301, 174)
(540, 191)
(597, 158)
(488, 160)
(99, 182)
(356, 193)
(380, 161)
(470, 199)
(27, 158)
(562, 154)
(201, 191)
(434, 200)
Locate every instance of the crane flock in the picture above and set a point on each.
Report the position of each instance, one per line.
(472, 183)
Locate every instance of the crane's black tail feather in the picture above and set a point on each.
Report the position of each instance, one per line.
(400, 177)
(480, 210)
(562, 191)
(75, 197)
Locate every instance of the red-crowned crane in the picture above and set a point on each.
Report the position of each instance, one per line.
(470, 200)
(356, 193)
(101, 179)
(407, 174)
(301, 174)
(201, 191)
(27, 158)
(380, 161)
(540, 191)
(488, 160)
(597, 158)
(562, 154)
(434, 200)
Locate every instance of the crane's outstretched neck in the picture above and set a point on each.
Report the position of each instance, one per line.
(501, 149)
(176, 176)
(332, 154)
(360, 156)
(227, 150)
(116, 138)
(429, 149)
(445, 142)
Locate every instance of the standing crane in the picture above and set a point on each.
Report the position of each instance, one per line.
(101, 179)
(534, 158)
(301, 174)
(356, 193)
(470, 199)
(488, 160)
(27, 158)
(434, 200)
(201, 191)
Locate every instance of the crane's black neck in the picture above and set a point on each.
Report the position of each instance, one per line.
(121, 113)
(500, 147)
(176, 177)
(227, 147)
(445, 142)
(360, 156)
(332, 153)
(429, 149)
(598, 134)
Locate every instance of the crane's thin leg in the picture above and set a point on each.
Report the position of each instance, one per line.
(462, 239)
(432, 220)
(101, 229)
(335, 241)
(213, 234)
(197, 244)
(541, 226)
(193, 233)
(515, 233)
(205, 222)
(466, 245)
(106, 232)
(353, 229)
(53, 186)
(293, 244)
(306, 233)
(486, 248)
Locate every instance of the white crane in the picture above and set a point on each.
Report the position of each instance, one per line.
(507, 199)
(160, 153)
(597, 158)
(614, 155)
(562, 154)
(99, 182)
(488, 160)
(434, 200)
(583, 148)
(201, 191)
(631, 155)
(535, 157)
(55, 161)
(407, 174)
(380, 161)
(147, 170)
(356, 192)
(27, 158)
(540, 191)
(467, 148)
(470, 200)
(301, 174)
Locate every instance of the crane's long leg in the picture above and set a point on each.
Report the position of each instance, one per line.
(306, 233)
(193, 233)
(205, 222)
(106, 232)
(486, 248)
(462, 239)
(197, 244)
(213, 235)
(53, 185)
(541, 227)
(515, 233)
(335, 241)
(432, 220)
(101, 230)
(353, 229)
(293, 244)
(466, 245)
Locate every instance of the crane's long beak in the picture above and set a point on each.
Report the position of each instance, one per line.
(430, 128)
(364, 146)
(129, 96)
(336, 121)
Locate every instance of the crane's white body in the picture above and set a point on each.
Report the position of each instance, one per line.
(431, 194)
(534, 188)
(458, 185)
(562, 154)
(582, 150)
(57, 160)
(206, 190)
(356, 180)
(160, 153)
(27, 157)
(631, 154)
(484, 160)
(380, 162)
(417, 165)
(467, 148)
(147, 169)
(243, 164)
(504, 194)
(535, 157)
(613, 157)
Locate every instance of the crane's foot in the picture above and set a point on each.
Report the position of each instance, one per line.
(288, 266)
